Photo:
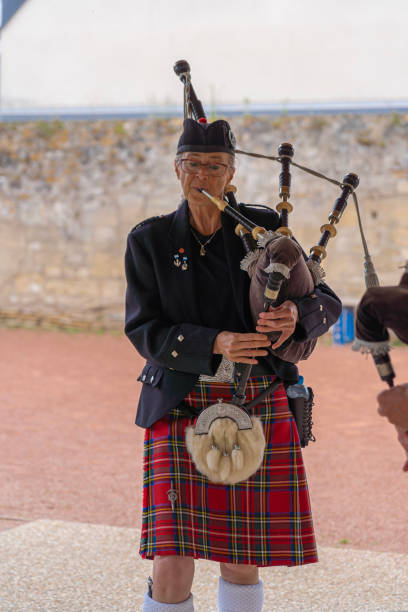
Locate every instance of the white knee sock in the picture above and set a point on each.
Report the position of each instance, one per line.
(239, 597)
(150, 605)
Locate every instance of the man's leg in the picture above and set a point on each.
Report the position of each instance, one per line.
(239, 588)
(172, 581)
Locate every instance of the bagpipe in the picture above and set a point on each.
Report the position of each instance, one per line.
(274, 260)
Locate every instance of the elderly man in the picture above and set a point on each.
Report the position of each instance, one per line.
(187, 313)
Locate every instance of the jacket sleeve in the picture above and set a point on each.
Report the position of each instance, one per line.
(317, 312)
(184, 346)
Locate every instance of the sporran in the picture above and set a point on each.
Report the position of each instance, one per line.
(226, 444)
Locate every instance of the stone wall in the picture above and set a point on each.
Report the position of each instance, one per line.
(71, 191)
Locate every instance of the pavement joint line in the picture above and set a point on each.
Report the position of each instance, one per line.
(12, 518)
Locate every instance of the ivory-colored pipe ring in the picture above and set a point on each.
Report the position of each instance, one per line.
(240, 228)
(285, 231)
(257, 231)
(320, 250)
(328, 227)
(284, 206)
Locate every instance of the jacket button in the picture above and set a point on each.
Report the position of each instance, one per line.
(152, 379)
(144, 377)
(180, 338)
(313, 295)
(174, 354)
(324, 320)
(321, 307)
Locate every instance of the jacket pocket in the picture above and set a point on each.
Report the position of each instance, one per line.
(151, 374)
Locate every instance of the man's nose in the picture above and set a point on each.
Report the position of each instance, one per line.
(202, 171)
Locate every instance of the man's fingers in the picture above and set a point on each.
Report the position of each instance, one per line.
(277, 325)
(380, 410)
(265, 329)
(243, 346)
(249, 337)
(284, 313)
(284, 336)
(237, 355)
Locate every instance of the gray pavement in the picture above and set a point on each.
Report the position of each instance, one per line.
(64, 566)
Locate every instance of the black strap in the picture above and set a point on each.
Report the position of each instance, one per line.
(260, 398)
(244, 371)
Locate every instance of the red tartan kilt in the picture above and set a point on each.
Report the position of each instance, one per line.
(265, 520)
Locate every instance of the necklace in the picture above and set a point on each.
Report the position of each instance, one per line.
(202, 245)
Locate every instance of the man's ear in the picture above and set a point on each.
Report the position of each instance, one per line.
(177, 169)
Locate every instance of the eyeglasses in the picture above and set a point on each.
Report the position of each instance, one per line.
(192, 166)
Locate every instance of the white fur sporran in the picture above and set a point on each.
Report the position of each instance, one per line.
(226, 444)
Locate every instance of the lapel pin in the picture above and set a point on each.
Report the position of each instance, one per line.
(180, 260)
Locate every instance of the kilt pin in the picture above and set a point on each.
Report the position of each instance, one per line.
(264, 521)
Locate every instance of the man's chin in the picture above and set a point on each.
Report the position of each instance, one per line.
(197, 198)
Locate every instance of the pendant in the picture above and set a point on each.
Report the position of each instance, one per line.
(202, 251)
(177, 261)
(184, 265)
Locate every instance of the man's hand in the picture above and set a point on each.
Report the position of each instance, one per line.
(281, 319)
(393, 404)
(241, 348)
(403, 438)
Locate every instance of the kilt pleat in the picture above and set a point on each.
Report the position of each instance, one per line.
(265, 520)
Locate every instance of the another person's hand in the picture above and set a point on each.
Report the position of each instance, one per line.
(393, 404)
(403, 438)
(241, 348)
(281, 319)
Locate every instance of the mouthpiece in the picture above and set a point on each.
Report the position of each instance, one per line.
(220, 204)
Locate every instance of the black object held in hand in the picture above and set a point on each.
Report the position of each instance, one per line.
(384, 368)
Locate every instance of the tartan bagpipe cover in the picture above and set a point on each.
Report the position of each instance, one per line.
(265, 520)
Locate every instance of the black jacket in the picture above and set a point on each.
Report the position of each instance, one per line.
(162, 314)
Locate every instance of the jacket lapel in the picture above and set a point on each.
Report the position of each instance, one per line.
(180, 238)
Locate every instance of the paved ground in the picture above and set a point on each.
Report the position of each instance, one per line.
(69, 452)
(57, 566)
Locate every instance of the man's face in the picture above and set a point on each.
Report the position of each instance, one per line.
(191, 181)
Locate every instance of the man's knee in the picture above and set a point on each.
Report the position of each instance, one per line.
(172, 578)
(239, 574)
